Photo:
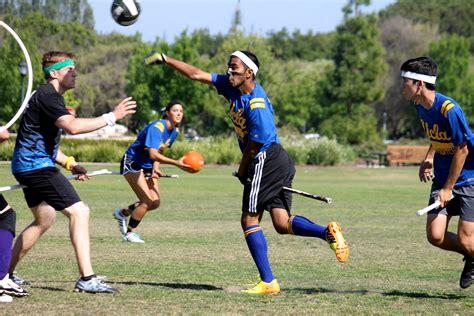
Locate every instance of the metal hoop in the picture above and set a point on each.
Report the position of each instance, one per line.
(30, 77)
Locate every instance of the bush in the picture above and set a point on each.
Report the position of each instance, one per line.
(216, 150)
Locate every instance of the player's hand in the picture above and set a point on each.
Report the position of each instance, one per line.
(125, 107)
(155, 58)
(444, 196)
(181, 165)
(243, 179)
(81, 172)
(156, 173)
(426, 171)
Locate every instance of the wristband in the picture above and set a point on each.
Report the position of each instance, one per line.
(109, 118)
(69, 163)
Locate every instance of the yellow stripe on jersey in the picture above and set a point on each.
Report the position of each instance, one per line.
(253, 230)
(257, 105)
(160, 126)
(443, 148)
(255, 100)
(447, 105)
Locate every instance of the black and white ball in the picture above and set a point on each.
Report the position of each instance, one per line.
(125, 12)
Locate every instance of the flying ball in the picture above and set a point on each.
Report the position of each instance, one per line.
(194, 159)
(125, 12)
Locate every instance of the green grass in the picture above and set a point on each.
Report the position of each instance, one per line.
(195, 256)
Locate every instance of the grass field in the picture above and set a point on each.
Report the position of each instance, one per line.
(195, 257)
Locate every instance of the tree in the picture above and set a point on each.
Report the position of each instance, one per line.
(359, 67)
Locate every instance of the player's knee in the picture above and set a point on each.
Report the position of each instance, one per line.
(435, 239)
(80, 211)
(154, 204)
(280, 228)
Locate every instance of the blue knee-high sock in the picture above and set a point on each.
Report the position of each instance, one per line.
(6, 240)
(301, 226)
(258, 248)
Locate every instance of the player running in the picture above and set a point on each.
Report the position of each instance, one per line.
(450, 159)
(33, 165)
(140, 167)
(265, 167)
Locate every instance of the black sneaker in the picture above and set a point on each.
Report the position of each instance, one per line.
(467, 275)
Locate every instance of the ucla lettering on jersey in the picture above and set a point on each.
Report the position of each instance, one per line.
(251, 114)
(446, 127)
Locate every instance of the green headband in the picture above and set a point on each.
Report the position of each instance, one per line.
(58, 65)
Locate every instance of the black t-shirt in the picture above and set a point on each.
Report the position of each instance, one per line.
(38, 137)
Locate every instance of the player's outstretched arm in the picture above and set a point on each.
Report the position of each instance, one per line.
(73, 125)
(189, 71)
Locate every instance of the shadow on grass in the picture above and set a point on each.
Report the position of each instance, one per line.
(322, 290)
(188, 286)
(423, 295)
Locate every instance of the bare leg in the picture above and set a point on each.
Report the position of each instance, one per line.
(148, 193)
(78, 215)
(466, 236)
(280, 218)
(44, 216)
(438, 234)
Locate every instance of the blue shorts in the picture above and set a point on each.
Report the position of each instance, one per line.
(461, 205)
(47, 185)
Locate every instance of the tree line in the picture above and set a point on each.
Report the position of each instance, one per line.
(343, 84)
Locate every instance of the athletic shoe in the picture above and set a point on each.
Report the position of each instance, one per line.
(8, 287)
(19, 281)
(122, 221)
(4, 298)
(94, 285)
(467, 275)
(264, 288)
(133, 237)
(337, 242)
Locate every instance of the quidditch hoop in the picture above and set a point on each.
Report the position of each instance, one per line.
(30, 77)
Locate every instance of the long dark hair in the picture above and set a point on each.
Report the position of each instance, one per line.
(168, 107)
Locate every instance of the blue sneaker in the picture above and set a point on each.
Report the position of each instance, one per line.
(94, 285)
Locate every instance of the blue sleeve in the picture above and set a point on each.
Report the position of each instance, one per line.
(221, 82)
(460, 131)
(153, 137)
(261, 124)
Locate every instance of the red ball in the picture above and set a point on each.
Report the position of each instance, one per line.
(194, 159)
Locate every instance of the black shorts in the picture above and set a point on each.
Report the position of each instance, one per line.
(47, 185)
(269, 173)
(128, 165)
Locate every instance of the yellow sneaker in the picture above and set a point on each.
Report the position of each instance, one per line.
(337, 242)
(263, 288)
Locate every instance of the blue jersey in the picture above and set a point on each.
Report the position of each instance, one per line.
(446, 127)
(154, 135)
(251, 114)
(37, 142)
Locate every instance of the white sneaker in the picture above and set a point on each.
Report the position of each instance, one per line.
(8, 287)
(122, 221)
(133, 237)
(4, 298)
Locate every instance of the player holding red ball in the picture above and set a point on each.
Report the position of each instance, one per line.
(140, 167)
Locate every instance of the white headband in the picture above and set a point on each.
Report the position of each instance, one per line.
(246, 60)
(416, 76)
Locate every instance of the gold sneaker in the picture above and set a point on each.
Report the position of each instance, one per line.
(337, 242)
(263, 288)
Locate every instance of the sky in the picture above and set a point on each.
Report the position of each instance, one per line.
(168, 18)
